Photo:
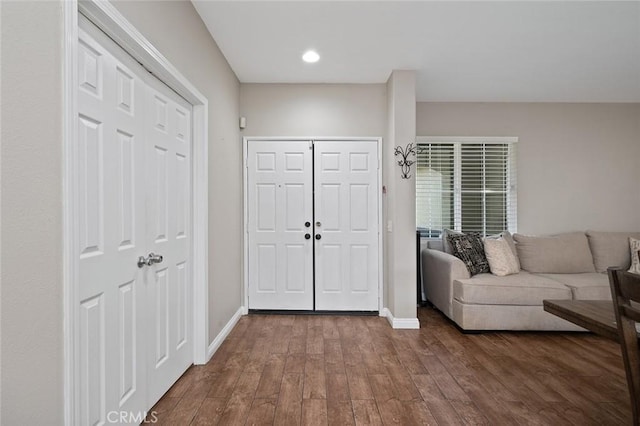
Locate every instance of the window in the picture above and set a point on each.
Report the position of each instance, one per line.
(466, 184)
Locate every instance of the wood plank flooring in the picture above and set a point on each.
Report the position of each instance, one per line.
(349, 370)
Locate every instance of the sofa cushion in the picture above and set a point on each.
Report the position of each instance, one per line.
(610, 249)
(555, 254)
(435, 245)
(518, 289)
(589, 286)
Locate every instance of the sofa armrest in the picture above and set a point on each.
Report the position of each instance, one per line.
(439, 271)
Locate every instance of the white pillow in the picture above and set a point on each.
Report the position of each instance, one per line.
(634, 245)
(501, 259)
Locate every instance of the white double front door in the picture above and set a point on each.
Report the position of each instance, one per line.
(312, 225)
(133, 198)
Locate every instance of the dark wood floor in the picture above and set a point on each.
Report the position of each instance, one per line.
(316, 370)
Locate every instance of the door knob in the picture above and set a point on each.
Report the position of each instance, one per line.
(318, 224)
(307, 224)
(307, 236)
(150, 260)
(318, 236)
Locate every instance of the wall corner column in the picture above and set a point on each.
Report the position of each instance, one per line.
(399, 203)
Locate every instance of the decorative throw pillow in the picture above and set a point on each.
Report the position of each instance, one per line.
(635, 255)
(501, 259)
(446, 246)
(469, 249)
(509, 239)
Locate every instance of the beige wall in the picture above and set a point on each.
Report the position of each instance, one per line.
(176, 30)
(31, 192)
(577, 163)
(400, 198)
(314, 109)
(31, 188)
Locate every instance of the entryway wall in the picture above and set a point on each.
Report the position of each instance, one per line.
(318, 110)
(357, 110)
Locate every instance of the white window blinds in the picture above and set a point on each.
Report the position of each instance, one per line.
(466, 184)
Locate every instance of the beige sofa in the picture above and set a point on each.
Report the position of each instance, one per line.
(565, 266)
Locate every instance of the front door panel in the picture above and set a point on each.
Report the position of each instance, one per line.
(346, 206)
(279, 206)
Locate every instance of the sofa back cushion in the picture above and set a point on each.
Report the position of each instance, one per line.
(611, 249)
(555, 254)
(434, 245)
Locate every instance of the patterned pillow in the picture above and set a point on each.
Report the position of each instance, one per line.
(502, 261)
(446, 247)
(469, 249)
(635, 255)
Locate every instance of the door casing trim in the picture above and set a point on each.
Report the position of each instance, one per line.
(245, 228)
(106, 17)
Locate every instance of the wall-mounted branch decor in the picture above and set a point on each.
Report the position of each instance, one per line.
(405, 163)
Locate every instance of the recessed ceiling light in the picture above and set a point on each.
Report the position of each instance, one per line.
(310, 56)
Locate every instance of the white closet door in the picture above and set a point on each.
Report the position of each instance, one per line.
(170, 348)
(280, 203)
(111, 231)
(134, 197)
(346, 219)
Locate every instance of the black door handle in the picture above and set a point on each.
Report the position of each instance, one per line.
(307, 224)
(318, 236)
(307, 236)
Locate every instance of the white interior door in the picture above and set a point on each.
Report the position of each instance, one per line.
(342, 212)
(169, 295)
(280, 212)
(132, 197)
(346, 220)
(111, 232)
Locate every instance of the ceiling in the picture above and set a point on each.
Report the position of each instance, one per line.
(508, 51)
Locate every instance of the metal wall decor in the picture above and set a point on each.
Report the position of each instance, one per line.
(405, 163)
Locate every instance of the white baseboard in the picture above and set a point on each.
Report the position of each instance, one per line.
(213, 347)
(400, 323)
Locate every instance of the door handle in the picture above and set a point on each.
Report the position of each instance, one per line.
(318, 236)
(307, 236)
(150, 260)
(307, 224)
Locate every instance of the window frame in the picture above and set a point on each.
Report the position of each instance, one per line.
(511, 176)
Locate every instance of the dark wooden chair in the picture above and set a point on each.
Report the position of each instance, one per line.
(625, 287)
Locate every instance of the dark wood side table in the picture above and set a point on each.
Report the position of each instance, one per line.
(594, 315)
